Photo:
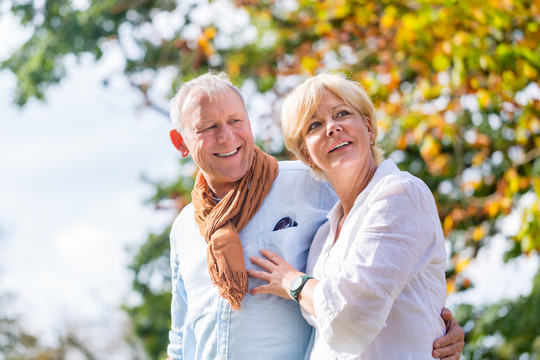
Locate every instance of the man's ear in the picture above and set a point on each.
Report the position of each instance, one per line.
(178, 142)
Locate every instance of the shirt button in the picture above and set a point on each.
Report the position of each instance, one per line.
(224, 317)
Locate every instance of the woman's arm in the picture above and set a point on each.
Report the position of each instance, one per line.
(279, 274)
(388, 242)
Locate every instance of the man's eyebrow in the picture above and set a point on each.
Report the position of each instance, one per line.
(237, 114)
(201, 124)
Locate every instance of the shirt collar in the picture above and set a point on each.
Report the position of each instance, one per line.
(385, 168)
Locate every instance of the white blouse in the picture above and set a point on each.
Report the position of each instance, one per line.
(382, 284)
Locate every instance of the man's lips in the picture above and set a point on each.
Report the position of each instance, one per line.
(338, 145)
(228, 154)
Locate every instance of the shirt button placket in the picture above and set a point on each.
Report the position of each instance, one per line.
(224, 322)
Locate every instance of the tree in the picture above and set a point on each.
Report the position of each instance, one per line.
(455, 84)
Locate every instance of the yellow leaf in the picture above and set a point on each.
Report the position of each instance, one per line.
(483, 98)
(430, 148)
(462, 264)
(450, 287)
(492, 208)
(530, 72)
(448, 224)
(233, 69)
(309, 63)
(440, 62)
(389, 17)
(478, 233)
(478, 159)
(210, 32)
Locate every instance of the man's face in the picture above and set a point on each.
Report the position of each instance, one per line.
(218, 135)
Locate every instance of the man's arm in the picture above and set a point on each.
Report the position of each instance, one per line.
(450, 346)
(178, 307)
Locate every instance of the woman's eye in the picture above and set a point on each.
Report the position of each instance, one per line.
(313, 126)
(342, 113)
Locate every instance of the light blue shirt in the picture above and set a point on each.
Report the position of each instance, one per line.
(267, 327)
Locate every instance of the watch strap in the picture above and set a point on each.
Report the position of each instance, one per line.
(294, 293)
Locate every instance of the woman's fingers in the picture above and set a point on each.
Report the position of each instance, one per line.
(265, 264)
(273, 257)
(263, 275)
(263, 289)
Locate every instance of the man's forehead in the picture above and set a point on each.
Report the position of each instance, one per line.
(193, 100)
(198, 104)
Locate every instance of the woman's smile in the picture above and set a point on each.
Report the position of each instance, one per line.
(340, 145)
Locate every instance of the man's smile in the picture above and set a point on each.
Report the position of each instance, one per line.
(227, 154)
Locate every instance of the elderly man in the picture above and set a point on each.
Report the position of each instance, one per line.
(243, 201)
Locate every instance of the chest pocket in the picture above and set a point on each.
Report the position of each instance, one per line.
(287, 243)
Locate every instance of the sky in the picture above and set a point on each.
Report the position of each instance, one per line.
(72, 201)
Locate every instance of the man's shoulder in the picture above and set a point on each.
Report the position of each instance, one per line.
(292, 165)
(294, 168)
(185, 216)
(296, 182)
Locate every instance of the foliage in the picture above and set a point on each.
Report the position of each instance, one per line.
(18, 344)
(151, 317)
(455, 84)
(501, 331)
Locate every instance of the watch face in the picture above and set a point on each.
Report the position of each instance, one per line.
(296, 283)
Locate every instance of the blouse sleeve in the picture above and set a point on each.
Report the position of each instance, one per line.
(389, 246)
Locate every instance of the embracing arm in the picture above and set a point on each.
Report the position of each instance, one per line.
(450, 346)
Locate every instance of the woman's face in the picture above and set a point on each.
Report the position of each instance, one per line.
(337, 136)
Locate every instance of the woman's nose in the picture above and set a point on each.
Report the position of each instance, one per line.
(332, 127)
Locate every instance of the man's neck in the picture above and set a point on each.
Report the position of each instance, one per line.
(219, 190)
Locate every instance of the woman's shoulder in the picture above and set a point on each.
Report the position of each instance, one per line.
(402, 183)
(394, 177)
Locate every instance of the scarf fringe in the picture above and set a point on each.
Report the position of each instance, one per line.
(236, 286)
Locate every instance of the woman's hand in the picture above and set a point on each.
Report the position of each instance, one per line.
(279, 274)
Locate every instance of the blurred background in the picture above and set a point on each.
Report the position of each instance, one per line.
(89, 182)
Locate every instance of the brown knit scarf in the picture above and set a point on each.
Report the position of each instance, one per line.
(220, 223)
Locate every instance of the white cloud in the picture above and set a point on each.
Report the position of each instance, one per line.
(71, 199)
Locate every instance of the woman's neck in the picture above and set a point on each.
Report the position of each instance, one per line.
(349, 183)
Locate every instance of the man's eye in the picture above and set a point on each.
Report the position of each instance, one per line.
(210, 128)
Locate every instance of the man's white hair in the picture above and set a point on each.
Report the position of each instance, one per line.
(212, 83)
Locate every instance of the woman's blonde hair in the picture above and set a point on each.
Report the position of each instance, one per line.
(302, 102)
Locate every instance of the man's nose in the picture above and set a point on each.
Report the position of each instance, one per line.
(225, 134)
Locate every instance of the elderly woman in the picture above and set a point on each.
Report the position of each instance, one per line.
(378, 263)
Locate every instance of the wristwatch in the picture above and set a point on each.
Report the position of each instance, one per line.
(297, 285)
